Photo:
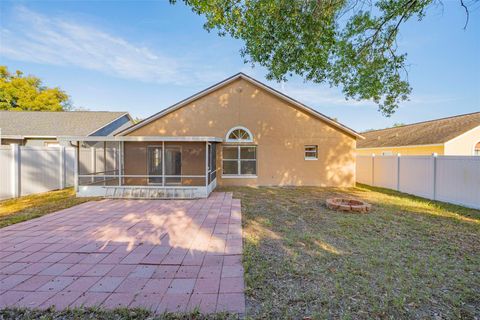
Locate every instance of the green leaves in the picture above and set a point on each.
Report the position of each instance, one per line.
(26, 93)
(350, 44)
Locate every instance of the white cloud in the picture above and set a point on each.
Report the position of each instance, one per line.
(37, 38)
(321, 96)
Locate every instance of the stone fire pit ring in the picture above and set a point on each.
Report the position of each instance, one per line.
(348, 205)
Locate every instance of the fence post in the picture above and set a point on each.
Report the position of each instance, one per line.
(15, 170)
(373, 169)
(398, 171)
(62, 168)
(93, 169)
(434, 158)
(75, 166)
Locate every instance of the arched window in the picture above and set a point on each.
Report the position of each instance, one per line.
(476, 150)
(239, 157)
(239, 134)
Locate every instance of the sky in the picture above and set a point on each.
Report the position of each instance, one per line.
(143, 56)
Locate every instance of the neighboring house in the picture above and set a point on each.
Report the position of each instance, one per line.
(458, 135)
(238, 132)
(35, 128)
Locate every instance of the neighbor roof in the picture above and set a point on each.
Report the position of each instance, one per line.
(422, 133)
(255, 82)
(53, 124)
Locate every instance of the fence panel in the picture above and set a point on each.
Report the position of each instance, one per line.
(70, 167)
(39, 170)
(454, 179)
(384, 172)
(364, 169)
(458, 180)
(5, 172)
(416, 175)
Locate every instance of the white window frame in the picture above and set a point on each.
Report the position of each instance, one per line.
(239, 162)
(310, 157)
(250, 135)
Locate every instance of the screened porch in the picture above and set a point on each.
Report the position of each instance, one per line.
(145, 167)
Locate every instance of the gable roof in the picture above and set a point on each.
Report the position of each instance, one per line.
(19, 124)
(436, 131)
(227, 81)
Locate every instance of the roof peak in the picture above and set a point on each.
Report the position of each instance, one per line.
(227, 81)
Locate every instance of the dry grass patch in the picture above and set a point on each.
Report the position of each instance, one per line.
(408, 258)
(34, 206)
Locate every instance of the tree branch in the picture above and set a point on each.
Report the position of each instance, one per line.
(467, 12)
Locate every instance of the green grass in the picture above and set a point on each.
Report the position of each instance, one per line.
(103, 314)
(29, 207)
(408, 258)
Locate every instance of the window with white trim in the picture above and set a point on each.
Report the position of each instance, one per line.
(311, 152)
(239, 161)
(239, 134)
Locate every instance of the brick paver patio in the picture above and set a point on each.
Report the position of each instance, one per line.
(165, 255)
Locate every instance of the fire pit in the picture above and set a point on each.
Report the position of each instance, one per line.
(349, 205)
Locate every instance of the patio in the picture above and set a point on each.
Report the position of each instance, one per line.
(163, 255)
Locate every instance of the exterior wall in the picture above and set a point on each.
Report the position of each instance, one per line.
(280, 132)
(420, 150)
(464, 144)
(193, 161)
(33, 142)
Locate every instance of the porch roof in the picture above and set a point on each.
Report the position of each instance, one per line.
(142, 138)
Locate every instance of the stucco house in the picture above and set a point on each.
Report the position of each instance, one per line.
(43, 128)
(237, 132)
(458, 135)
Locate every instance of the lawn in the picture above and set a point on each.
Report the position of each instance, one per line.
(34, 206)
(408, 258)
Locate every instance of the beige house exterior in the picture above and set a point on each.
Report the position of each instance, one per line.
(238, 132)
(458, 135)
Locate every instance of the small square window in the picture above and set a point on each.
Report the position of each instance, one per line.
(311, 152)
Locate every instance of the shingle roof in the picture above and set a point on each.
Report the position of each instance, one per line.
(421, 133)
(36, 123)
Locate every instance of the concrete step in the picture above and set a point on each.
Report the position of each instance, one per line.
(125, 192)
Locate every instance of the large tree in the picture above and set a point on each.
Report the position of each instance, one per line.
(26, 93)
(349, 44)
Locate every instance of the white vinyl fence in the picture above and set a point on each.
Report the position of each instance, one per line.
(454, 179)
(28, 170)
